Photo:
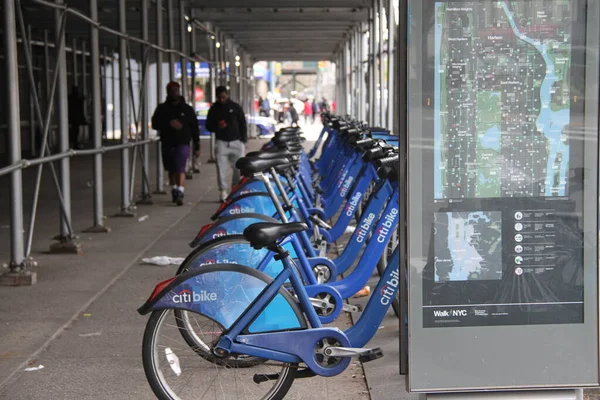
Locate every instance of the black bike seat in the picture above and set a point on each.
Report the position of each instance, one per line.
(272, 153)
(249, 166)
(262, 234)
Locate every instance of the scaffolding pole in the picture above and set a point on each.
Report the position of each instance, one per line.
(17, 254)
(146, 198)
(160, 182)
(124, 109)
(391, 85)
(381, 118)
(371, 61)
(171, 33)
(98, 226)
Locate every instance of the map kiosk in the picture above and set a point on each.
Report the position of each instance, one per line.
(502, 195)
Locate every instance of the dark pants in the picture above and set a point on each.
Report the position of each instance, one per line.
(175, 158)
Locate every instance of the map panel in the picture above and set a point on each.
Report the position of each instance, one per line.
(468, 246)
(502, 99)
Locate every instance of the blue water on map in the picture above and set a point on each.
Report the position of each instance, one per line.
(551, 123)
(491, 138)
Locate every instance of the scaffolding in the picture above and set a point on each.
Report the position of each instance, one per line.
(109, 62)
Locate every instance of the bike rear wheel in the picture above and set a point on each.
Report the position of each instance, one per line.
(176, 371)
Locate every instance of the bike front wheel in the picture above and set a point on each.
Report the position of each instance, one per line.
(176, 370)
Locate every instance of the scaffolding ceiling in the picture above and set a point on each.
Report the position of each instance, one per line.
(303, 30)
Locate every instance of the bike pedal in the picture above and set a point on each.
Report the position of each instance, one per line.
(371, 355)
(351, 308)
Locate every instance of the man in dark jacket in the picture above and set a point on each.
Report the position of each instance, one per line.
(228, 122)
(177, 125)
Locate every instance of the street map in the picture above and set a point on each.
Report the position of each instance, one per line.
(502, 99)
(468, 246)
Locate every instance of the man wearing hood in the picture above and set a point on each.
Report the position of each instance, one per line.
(228, 122)
(177, 125)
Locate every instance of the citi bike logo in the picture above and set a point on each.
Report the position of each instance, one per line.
(220, 233)
(241, 210)
(347, 183)
(191, 296)
(213, 261)
(353, 203)
(363, 230)
(388, 222)
(387, 291)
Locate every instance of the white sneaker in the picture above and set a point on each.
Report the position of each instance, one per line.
(224, 195)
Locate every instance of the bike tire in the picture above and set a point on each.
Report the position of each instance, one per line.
(161, 388)
(181, 316)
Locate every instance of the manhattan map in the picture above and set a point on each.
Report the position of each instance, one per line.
(468, 246)
(501, 99)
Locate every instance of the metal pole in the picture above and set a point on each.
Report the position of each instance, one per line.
(193, 45)
(214, 71)
(183, 33)
(171, 33)
(124, 112)
(32, 124)
(74, 56)
(17, 251)
(84, 80)
(48, 77)
(96, 127)
(358, 72)
(65, 238)
(146, 198)
(160, 183)
(113, 71)
(360, 77)
(381, 65)
(371, 59)
(391, 66)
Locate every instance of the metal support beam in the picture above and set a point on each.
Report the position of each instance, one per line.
(183, 47)
(213, 70)
(96, 127)
(124, 113)
(17, 250)
(32, 122)
(381, 103)
(146, 197)
(84, 79)
(160, 183)
(371, 69)
(75, 72)
(66, 244)
(171, 38)
(113, 89)
(392, 58)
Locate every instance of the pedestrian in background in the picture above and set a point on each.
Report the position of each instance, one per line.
(308, 111)
(226, 119)
(177, 126)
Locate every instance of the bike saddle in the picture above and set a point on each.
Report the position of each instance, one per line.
(273, 153)
(266, 234)
(288, 129)
(249, 166)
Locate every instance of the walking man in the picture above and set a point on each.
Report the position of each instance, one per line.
(227, 121)
(177, 125)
